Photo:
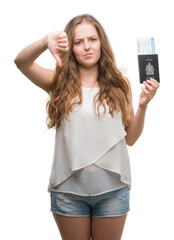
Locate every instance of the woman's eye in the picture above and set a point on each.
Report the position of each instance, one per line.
(77, 43)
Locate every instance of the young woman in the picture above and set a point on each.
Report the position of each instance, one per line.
(90, 107)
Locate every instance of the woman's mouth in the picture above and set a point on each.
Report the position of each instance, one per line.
(88, 55)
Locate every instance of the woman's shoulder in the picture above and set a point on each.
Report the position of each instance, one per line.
(126, 79)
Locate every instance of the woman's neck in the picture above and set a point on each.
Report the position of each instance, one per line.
(88, 76)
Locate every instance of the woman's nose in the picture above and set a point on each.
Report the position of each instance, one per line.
(86, 45)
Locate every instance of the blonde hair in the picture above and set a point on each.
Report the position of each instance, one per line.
(67, 85)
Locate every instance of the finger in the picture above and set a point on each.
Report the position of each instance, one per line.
(147, 85)
(62, 45)
(62, 35)
(154, 84)
(155, 81)
(65, 49)
(62, 40)
(145, 90)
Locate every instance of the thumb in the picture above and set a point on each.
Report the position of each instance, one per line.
(58, 59)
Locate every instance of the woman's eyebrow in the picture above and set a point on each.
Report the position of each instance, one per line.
(88, 37)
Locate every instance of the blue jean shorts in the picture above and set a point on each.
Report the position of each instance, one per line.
(111, 204)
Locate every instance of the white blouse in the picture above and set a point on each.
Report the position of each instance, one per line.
(90, 152)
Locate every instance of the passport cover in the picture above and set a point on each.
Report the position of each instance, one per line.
(148, 67)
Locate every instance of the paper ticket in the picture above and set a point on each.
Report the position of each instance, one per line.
(145, 46)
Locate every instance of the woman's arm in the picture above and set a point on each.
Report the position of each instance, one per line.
(24, 61)
(28, 55)
(56, 42)
(137, 122)
(135, 129)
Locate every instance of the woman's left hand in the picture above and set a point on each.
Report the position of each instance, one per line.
(148, 92)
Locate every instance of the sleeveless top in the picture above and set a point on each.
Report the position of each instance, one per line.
(90, 152)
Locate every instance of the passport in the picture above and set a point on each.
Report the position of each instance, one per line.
(148, 67)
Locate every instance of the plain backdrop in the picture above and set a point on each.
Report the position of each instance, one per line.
(26, 143)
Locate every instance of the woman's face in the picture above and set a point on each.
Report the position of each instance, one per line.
(86, 45)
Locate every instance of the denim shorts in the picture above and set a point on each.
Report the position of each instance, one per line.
(111, 204)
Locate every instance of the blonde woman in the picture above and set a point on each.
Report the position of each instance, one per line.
(90, 107)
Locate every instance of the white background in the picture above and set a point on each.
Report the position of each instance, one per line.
(26, 144)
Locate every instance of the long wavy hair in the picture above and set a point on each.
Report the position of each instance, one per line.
(113, 88)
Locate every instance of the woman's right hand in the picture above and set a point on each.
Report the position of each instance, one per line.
(57, 42)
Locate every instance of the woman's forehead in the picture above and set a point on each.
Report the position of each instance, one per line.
(84, 30)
